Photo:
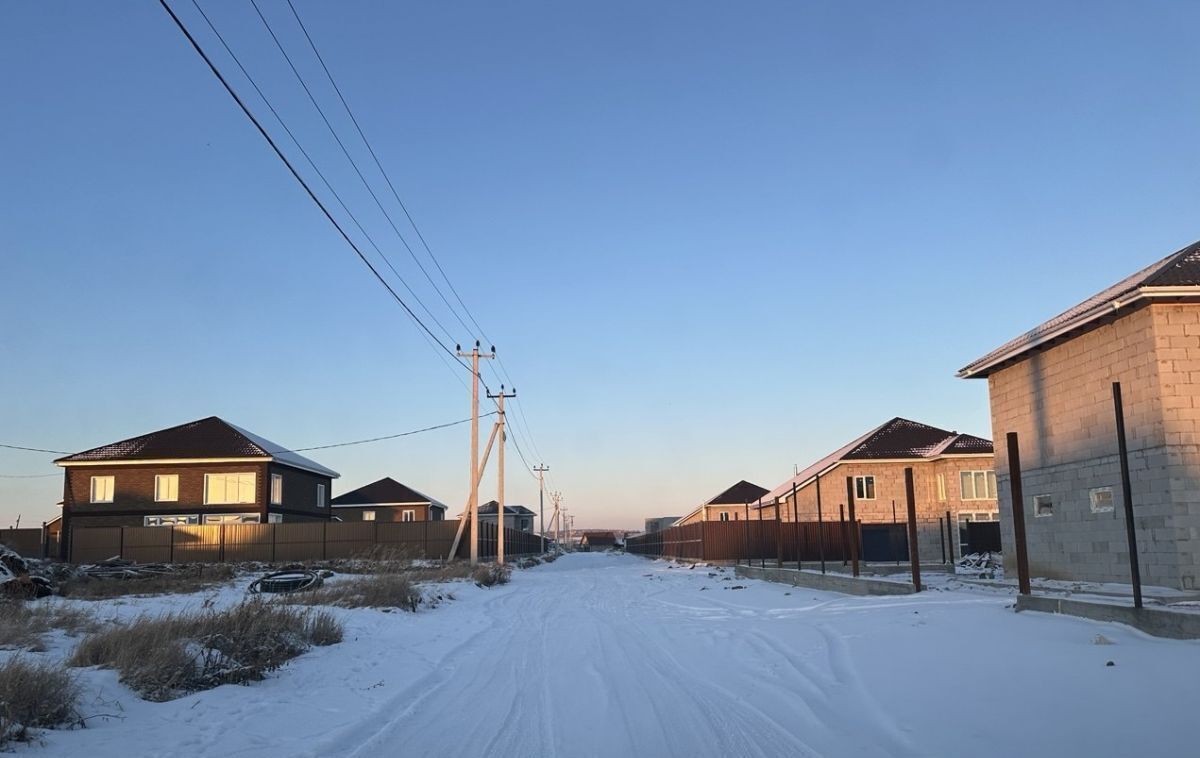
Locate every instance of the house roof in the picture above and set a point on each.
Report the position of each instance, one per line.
(210, 437)
(739, 494)
(600, 538)
(897, 439)
(509, 510)
(1177, 275)
(385, 491)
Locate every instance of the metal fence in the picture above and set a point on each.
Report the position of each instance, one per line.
(779, 541)
(274, 543)
(26, 542)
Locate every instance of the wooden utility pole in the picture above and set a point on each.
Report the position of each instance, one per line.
(474, 355)
(541, 471)
(500, 499)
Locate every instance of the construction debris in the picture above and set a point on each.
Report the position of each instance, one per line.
(287, 581)
(15, 580)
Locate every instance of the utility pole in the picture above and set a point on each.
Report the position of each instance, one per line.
(541, 471)
(475, 355)
(500, 495)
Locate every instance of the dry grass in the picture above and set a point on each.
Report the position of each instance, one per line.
(186, 578)
(168, 656)
(491, 575)
(374, 591)
(22, 624)
(34, 695)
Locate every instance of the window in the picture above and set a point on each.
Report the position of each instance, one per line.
(724, 515)
(408, 515)
(941, 485)
(368, 515)
(232, 518)
(320, 495)
(864, 487)
(978, 485)
(1102, 500)
(166, 488)
(229, 489)
(274, 518)
(183, 520)
(1043, 505)
(102, 489)
(276, 489)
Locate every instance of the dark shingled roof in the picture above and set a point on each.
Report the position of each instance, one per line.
(739, 494)
(1179, 269)
(210, 437)
(968, 444)
(509, 510)
(901, 438)
(386, 490)
(598, 538)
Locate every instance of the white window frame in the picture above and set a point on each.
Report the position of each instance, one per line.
(274, 518)
(214, 519)
(860, 487)
(276, 489)
(989, 484)
(172, 481)
(941, 487)
(175, 519)
(111, 487)
(1112, 500)
(1037, 511)
(723, 516)
(368, 515)
(240, 475)
(320, 495)
(408, 515)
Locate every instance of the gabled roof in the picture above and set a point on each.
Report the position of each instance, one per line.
(599, 538)
(739, 494)
(897, 439)
(509, 510)
(210, 437)
(386, 491)
(1177, 275)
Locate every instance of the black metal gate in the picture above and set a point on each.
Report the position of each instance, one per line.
(884, 542)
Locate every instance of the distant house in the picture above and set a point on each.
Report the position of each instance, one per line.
(658, 523)
(1053, 387)
(729, 505)
(951, 472)
(515, 516)
(597, 540)
(387, 500)
(202, 472)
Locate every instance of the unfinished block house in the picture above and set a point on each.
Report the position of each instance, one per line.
(1053, 387)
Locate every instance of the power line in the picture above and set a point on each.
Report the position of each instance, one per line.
(29, 476)
(380, 439)
(35, 449)
(295, 174)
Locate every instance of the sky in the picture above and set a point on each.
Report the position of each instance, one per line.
(710, 241)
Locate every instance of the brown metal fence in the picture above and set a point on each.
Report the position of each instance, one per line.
(275, 543)
(26, 542)
(785, 541)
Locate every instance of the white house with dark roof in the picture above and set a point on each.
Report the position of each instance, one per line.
(1052, 386)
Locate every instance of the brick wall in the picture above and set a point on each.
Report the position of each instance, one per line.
(383, 513)
(1059, 401)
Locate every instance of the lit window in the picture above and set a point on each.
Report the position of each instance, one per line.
(408, 515)
(102, 489)
(232, 518)
(724, 515)
(1102, 500)
(864, 487)
(1043, 505)
(229, 489)
(177, 520)
(320, 495)
(941, 485)
(978, 485)
(276, 489)
(368, 515)
(166, 488)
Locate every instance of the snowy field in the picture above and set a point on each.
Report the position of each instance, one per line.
(613, 655)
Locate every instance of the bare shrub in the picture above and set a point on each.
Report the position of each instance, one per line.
(169, 656)
(23, 624)
(34, 695)
(373, 591)
(550, 557)
(186, 578)
(491, 575)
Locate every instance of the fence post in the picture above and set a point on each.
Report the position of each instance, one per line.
(746, 531)
(914, 552)
(171, 546)
(1135, 572)
(949, 536)
(121, 541)
(820, 526)
(796, 525)
(842, 529)
(274, 529)
(778, 537)
(853, 525)
(221, 544)
(942, 538)
(1018, 506)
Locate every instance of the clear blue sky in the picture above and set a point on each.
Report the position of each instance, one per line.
(711, 240)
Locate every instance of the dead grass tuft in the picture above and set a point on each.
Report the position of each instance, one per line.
(22, 624)
(371, 591)
(491, 575)
(34, 695)
(168, 656)
(186, 578)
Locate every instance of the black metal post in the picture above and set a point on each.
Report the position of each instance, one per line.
(1018, 509)
(820, 527)
(842, 529)
(914, 553)
(853, 526)
(778, 536)
(746, 531)
(942, 537)
(796, 526)
(762, 558)
(949, 537)
(1135, 572)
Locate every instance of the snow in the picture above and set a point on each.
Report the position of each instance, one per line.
(604, 654)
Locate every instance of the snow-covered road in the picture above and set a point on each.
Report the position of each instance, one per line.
(612, 655)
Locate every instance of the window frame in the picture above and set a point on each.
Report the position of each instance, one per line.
(1112, 500)
(408, 516)
(253, 487)
(941, 487)
(221, 519)
(173, 519)
(276, 489)
(860, 487)
(723, 516)
(368, 515)
(166, 477)
(1037, 511)
(989, 484)
(112, 488)
(321, 495)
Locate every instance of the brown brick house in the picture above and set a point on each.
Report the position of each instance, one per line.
(202, 472)
(951, 472)
(729, 505)
(1053, 387)
(387, 500)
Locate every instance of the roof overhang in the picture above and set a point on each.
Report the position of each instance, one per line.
(192, 461)
(986, 365)
(383, 505)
